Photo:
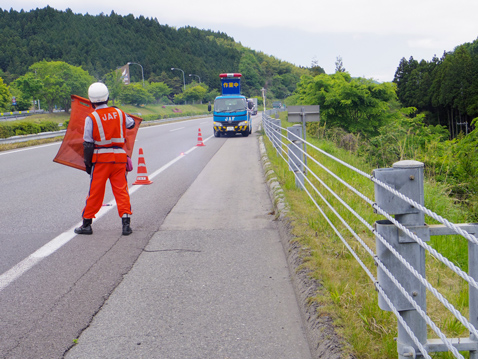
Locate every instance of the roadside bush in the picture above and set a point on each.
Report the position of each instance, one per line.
(452, 164)
(6, 131)
(150, 117)
(48, 126)
(26, 128)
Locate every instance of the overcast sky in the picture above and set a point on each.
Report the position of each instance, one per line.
(371, 36)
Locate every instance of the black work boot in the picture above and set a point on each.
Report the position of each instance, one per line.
(126, 228)
(86, 227)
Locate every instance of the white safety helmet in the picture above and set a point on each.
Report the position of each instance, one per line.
(98, 92)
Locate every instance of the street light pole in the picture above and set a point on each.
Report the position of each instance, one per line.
(184, 81)
(196, 76)
(142, 73)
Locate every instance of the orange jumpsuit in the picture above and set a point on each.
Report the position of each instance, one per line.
(107, 128)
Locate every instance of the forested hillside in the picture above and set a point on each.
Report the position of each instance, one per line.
(445, 89)
(101, 44)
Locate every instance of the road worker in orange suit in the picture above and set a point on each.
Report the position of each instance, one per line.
(104, 137)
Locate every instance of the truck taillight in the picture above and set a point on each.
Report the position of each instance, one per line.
(230, 74)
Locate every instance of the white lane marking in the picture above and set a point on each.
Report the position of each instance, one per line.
(176, 129)
(29, 148)
(51, 247)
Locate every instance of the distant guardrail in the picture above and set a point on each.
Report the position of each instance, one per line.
(35, 136)
(9, 115)
(43, 135)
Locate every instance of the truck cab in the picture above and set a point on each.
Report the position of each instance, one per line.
(231, 113)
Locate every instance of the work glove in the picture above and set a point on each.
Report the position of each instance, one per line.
(88, 149)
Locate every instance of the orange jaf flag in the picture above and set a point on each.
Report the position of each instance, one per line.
(71, 149)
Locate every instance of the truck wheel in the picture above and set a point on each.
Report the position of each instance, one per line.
(217, 133)
(245, 134)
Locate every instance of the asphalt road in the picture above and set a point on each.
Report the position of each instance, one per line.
(43, 308)
(202, 276)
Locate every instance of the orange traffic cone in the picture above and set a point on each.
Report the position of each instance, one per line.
(200, 143)
(142, 177)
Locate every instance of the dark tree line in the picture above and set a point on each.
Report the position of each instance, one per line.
(445, 89)
(100, 44)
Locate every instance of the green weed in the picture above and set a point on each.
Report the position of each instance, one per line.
(349, 295)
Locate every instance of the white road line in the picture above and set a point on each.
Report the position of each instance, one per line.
(176, 129)
(29, 148)
(51, 247)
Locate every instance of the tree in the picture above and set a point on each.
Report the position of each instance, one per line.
(356, 105)
(193, 92)
(158, 90)
(54, 82)
(339, 66)
(115, 84)
(23, 103)
(407, 81)
(135, 94)
(250, 69)
(315, 69)
(5, 97)
(211, 96)
(278, 88)
(29, 84)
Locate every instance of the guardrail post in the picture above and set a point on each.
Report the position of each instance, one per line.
(407, 178)
(296, 154)
(472, 291)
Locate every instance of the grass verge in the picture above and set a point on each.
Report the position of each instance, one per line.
(13, 146)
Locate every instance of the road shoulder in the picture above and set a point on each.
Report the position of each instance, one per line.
(324, 342)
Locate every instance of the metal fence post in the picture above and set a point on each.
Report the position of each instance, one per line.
(296, 155)
(407, 178)
(473, 292)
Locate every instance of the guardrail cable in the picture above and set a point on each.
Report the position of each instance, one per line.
(429, 213)
(371, 276)
(274, 133)
(427, 247)
(423, 280)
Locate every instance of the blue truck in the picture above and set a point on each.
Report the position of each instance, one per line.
(231, 110)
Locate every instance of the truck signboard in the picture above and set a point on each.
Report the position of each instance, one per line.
(231, 83)
(231, 87)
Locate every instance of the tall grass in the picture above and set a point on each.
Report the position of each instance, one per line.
(348, 294)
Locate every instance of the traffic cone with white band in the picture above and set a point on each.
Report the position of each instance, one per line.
(142, 177)
(200, 142)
